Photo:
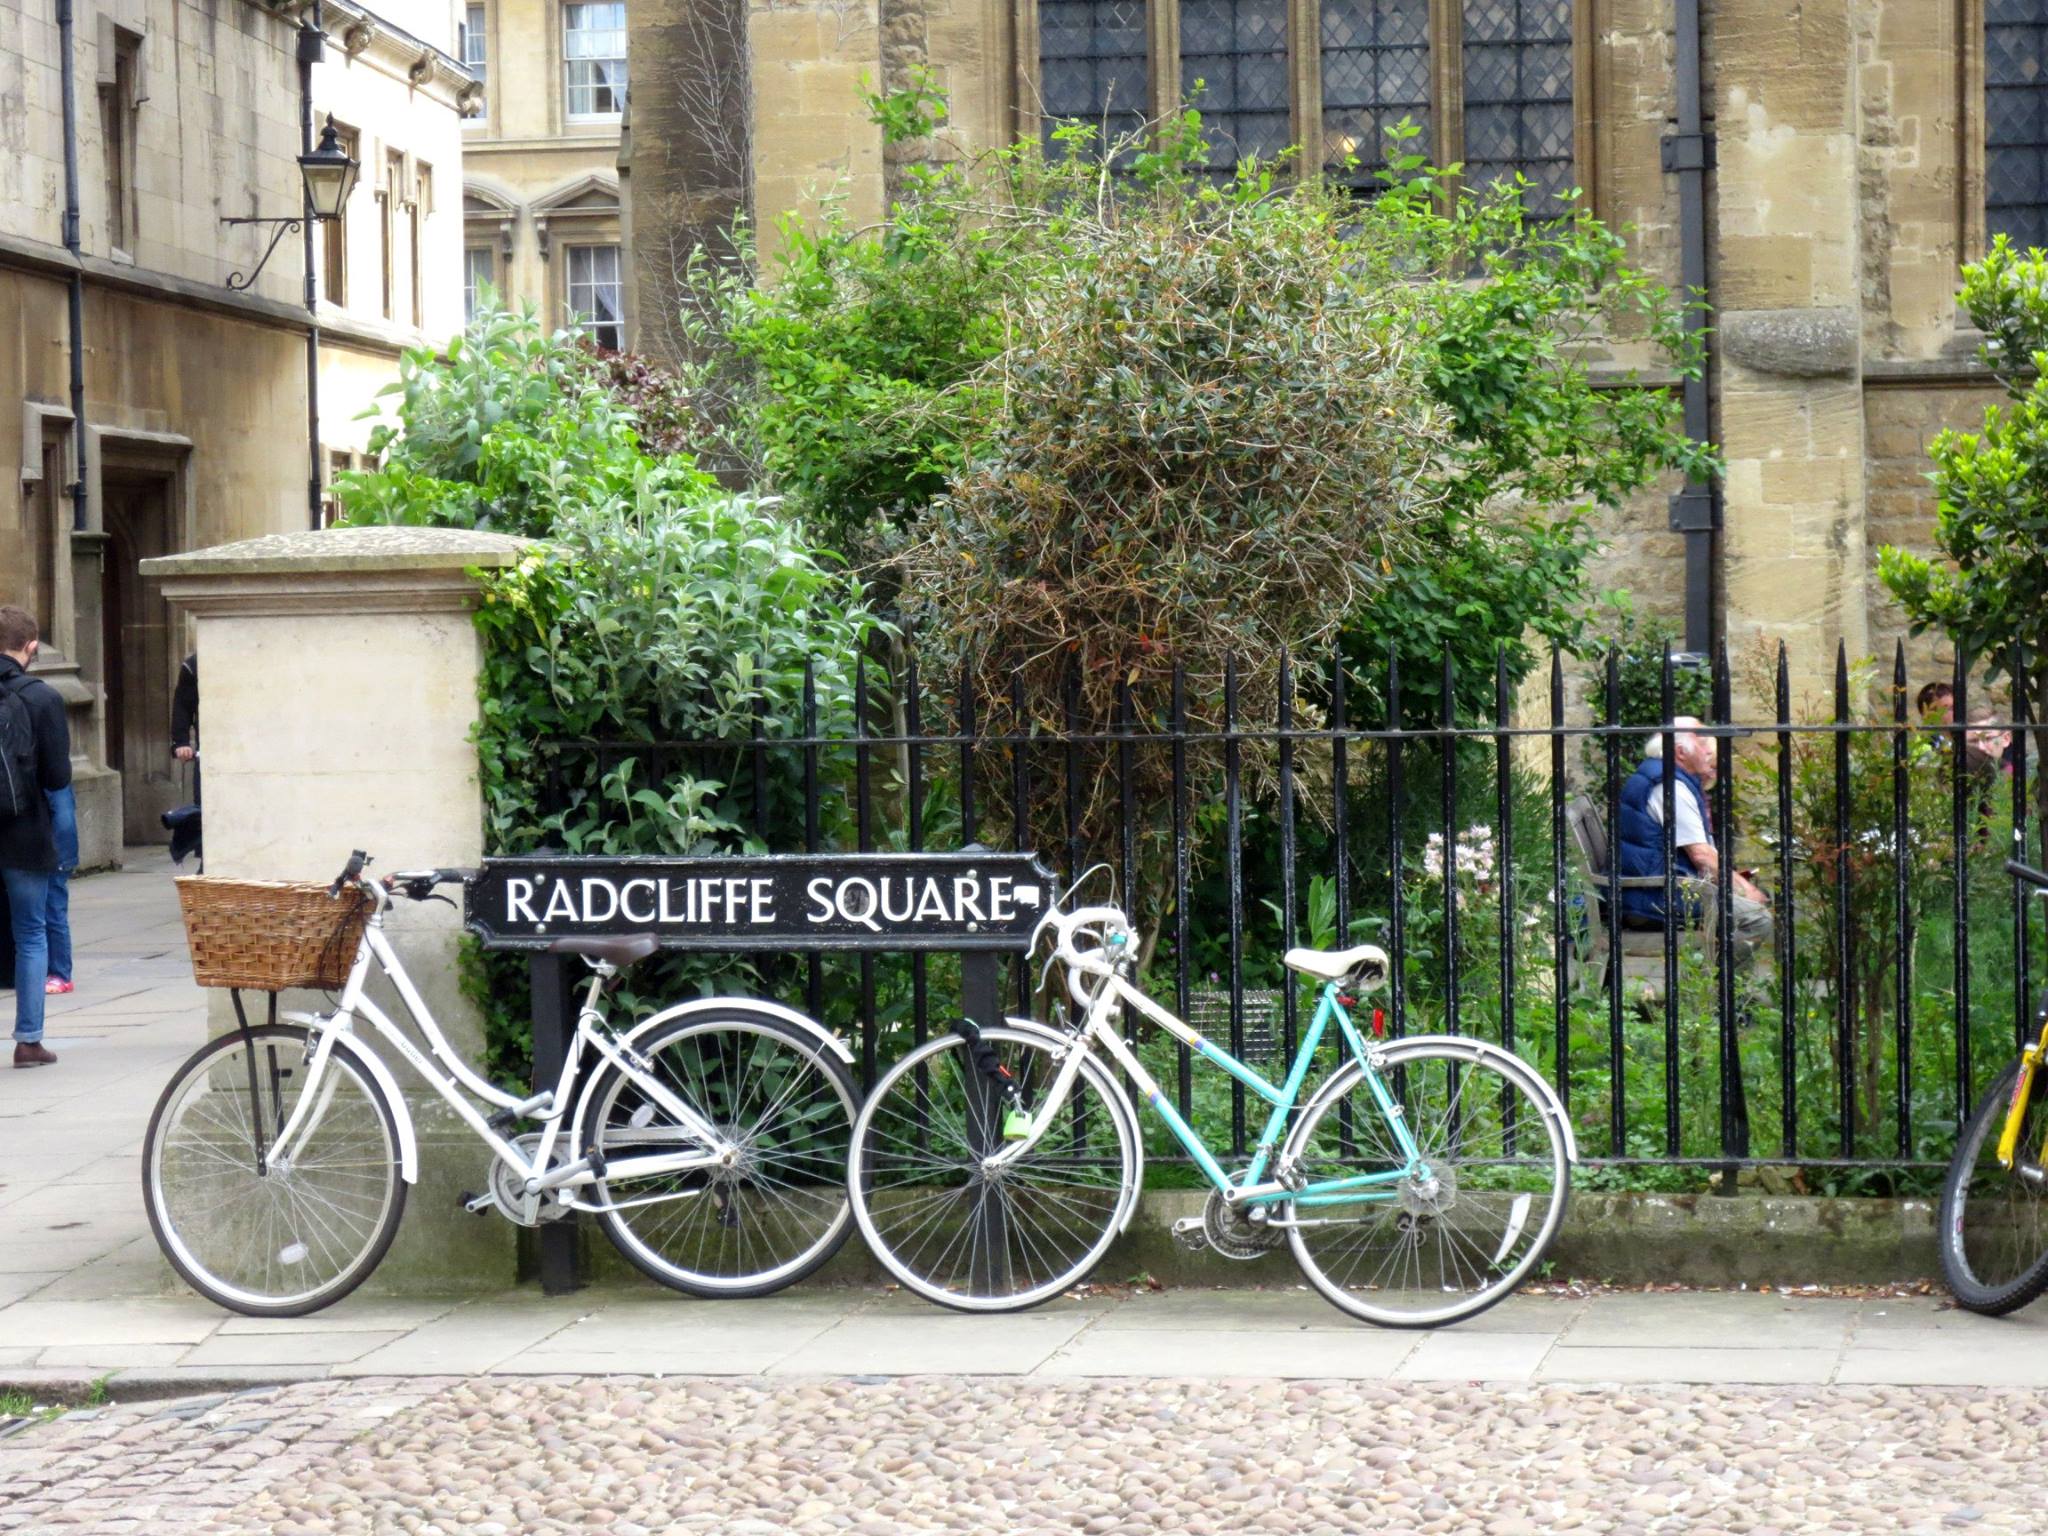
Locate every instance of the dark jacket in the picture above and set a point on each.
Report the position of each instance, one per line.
(185, 705)
(27, 842)
(1639, 843)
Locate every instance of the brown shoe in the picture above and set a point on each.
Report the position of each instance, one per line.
(33, 1055)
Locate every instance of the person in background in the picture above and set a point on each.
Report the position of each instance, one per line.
(1639, 850)
(28, 843)
(57, 913)
(1990, 750)
(1640, 846)
(1937, 704)
(185, 718)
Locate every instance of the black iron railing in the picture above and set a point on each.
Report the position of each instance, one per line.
(1893, 983)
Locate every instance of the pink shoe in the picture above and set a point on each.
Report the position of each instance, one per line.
(56, 985)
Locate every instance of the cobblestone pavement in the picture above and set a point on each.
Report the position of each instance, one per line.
(487, 1457)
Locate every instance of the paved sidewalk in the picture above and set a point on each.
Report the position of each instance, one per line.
(71, 1217)
(159, 1345)
(84, 1294)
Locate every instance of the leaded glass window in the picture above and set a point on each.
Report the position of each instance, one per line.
(1237, 51)
(1518, 96)
(1092, 66)
(2016, 120)
(1375, 72)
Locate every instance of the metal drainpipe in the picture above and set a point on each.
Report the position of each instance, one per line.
(67, 41)
(1689, 154)
(312, 49)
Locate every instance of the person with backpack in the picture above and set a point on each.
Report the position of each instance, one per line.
(35, 758)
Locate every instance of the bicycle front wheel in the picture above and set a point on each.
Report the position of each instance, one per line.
(249, 1231)
(1417, 1246)
(778, 1210)
(984, 1239)
(1994, 1220)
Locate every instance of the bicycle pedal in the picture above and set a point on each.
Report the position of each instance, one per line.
(1189, 1233)
(476, 1205)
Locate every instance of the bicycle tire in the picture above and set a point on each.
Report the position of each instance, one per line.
(734, 1195)
(1976, 1292)
(306, 1232)
(1429, 1216)
(955, 1238)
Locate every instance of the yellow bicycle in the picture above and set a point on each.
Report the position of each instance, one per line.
(1994, 1206)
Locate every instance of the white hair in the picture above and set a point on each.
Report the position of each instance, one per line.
(1682, 729)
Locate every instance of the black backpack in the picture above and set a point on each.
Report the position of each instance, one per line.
(20, 786)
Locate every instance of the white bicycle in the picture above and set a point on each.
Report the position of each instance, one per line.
(709, 1139)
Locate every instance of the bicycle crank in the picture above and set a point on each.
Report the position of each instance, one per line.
(508, 1188)
(1234, 1232)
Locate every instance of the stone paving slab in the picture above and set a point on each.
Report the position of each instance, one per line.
(1668, 1337)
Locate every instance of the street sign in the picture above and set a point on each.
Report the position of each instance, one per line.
(880, 901)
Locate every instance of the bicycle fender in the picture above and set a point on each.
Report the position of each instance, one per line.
(1509, 1062)
(807, 1024)
(372, 1063)
(1118, 1106)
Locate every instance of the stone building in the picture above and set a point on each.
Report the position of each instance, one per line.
(148, 404)
(390, 271)
(540, 191)
(1844, 157)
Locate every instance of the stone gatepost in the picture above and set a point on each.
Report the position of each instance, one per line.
(338, 689)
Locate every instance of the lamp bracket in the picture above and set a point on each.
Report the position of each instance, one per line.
(285, 225)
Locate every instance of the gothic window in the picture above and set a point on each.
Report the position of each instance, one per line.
(1375, 70)
(1517, 74)
(2016, 121)
(1487, 83)
(1093, 67)
(1233, 66)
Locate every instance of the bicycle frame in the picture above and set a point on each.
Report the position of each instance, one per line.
(1252, 1188)
(443, 1069)
(2022, 1091)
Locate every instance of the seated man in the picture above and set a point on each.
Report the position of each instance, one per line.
(1639, 844)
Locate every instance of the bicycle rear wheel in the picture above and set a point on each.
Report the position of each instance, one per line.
(1426, 1248)
(1994, 1221)
(779, 1210)
(248, 1235)
(977, 1239)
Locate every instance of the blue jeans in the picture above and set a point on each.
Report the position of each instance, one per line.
(28, 895)
(63, 822)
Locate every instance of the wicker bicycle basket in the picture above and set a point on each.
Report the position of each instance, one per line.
(270, 934)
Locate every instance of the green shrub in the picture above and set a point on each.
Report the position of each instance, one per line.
(654, 606)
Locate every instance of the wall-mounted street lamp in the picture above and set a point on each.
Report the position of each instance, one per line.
(330, 175)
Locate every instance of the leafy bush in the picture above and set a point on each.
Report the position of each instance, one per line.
(656, 606)
(882, 365)
(1991, 519)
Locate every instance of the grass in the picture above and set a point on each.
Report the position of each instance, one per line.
(19, 1405)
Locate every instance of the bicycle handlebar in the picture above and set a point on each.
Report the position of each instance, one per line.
(2027, 872)
(1108, 926)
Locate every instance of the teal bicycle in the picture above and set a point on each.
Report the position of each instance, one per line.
(1419, 1184)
